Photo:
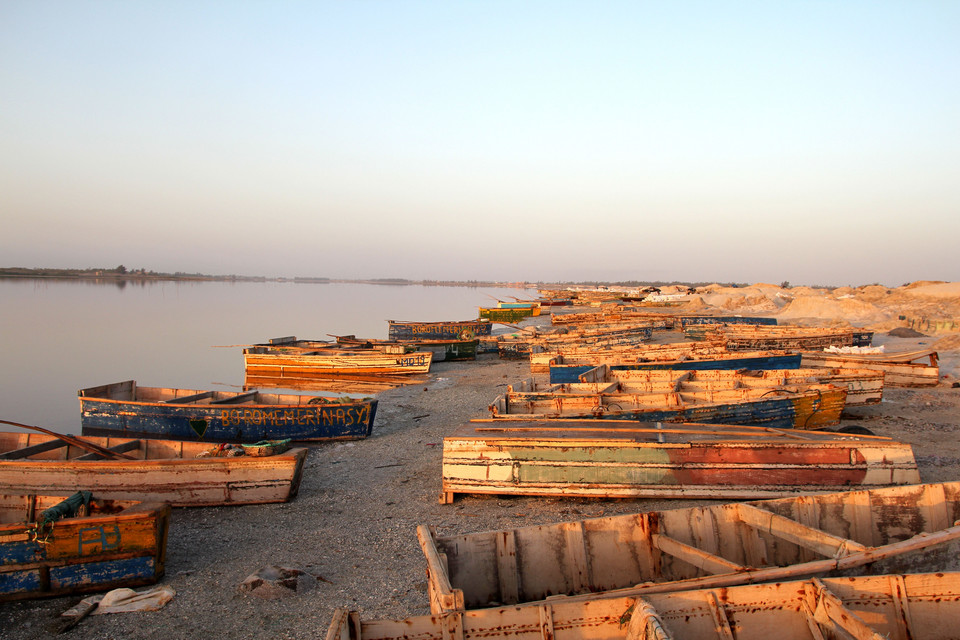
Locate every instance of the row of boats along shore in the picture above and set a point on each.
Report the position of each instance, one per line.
(817, 531)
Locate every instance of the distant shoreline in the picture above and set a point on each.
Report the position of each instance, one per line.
(114, 276)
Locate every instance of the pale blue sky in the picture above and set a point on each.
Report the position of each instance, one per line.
(815, 142)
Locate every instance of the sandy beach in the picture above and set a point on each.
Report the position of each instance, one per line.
(353, 523)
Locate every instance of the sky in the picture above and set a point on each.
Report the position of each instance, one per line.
(813, 142)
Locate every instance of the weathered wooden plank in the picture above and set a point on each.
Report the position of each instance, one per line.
(815, 539)
(123, 447)
(507, 567)
(701, 559)
(26, 452)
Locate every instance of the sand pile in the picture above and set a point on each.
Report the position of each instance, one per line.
(843, 311)
(872, 306)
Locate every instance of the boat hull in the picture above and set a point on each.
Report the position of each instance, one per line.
(465, 330)
(163, 471)
(294, 417)
(895, 374)
(508, 314)
(260, 361)
(570, 373)
(602, 459)
(895, 606)
(893, 529)
(81, 554)
(811, 408)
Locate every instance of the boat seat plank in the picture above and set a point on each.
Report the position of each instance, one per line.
(26, 452)
(132, 445)
(817, 540)
(701, 559)
(241, 397)
(191, 398)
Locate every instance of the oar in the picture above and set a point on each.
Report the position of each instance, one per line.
(77, 442)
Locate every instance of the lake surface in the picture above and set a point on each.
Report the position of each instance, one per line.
(60, 336)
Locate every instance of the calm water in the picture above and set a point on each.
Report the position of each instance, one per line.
(57, 337)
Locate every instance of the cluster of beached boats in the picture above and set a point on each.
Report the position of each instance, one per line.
(739, 409)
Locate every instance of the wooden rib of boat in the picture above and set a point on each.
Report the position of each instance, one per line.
(740, 337)
(509, 314)
(614, 459)
(806, 406)
(901, 369)
(52, 546)
(876, 607)
(864, 386)
(892, 529)
(443, 330)
(304, 358)
(128, 410)
(155, 470)
(442, 349)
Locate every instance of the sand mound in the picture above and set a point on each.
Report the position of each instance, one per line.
(695, 303)
(847, 310)
(937, 290)
(905, 332)
(948, 343)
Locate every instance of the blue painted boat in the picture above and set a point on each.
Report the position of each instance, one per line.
(560, 373)
(127, 410)
(693, 320)
(448, 330)
(51, 546)
(802, 406)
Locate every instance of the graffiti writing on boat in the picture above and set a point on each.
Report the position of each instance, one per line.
(341, 416)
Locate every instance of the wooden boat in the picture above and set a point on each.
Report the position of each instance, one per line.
(128, 410)
(614, 459)
(686, 321)
(521, 344)
(442, 349)
(807, 406)
(892, 606)
(902, 369)
(51, 546)
(891, 529)
(444, 330)
(740, 337)
(569, 367)
(289, 357)
(154, 470)
(509, 314)
(864, 386)
(613, 315)
(335, 384)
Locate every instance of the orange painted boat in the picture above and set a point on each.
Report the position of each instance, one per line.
(179, 473)
(51, 546)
